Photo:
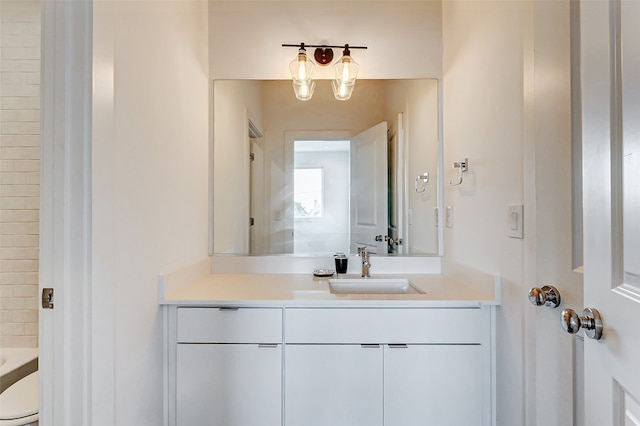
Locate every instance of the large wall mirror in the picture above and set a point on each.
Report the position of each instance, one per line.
(325, 176)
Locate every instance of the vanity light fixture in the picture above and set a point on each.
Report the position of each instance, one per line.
(301, 68)
(346, 73)
(302, 74)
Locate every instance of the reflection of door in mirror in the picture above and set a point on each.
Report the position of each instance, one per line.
(369, 188)
(256, 198)
(395, 159)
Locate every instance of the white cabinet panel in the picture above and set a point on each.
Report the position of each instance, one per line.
(337, 385)
(224, 325)
(462, 325)
(433, 385)
(229, 385)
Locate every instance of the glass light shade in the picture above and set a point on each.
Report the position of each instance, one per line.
(301, 68)
(304, 89)
(346, 70)
(342, 91)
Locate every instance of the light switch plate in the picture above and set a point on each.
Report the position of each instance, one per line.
(449, 217)
(515, 221)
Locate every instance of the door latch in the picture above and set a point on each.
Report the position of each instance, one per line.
(47, 298)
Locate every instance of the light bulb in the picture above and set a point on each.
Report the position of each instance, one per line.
(302, 69)
(346, 60)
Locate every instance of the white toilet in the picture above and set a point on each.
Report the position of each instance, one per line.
(19, 403)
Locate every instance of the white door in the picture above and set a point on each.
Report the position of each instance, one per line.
(66, 345)
(369, 188)
(611, 183)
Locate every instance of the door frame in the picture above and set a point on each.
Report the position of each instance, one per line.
(65, 212)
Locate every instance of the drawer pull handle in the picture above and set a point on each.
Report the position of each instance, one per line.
(370, 346)
(398, 346)
(268, 345)
(228, 308)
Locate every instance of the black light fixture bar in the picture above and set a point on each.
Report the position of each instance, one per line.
(343, 46)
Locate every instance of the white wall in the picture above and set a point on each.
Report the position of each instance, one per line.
(507, 108)
(404, 38)
(19, 172)
(484, 121)
(150, 189)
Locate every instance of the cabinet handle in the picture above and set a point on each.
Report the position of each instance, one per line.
(228, 308)
(268, 345)
(398, 346)
(370, 346)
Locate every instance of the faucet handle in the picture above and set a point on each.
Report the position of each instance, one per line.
(364, 249)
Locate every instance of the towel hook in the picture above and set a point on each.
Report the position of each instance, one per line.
(463, 166)
(425, 179)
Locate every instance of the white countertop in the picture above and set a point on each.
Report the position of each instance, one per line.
(305, 290)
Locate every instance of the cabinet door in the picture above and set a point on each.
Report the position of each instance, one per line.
(337, 385)
(229, 385)
(433, 384)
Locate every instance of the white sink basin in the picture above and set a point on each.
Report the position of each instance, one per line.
(371, 285)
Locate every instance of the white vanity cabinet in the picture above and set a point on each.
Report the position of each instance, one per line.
(391, 367)
(228, 367)
(328, 365)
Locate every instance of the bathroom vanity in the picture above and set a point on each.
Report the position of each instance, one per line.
(282, 349)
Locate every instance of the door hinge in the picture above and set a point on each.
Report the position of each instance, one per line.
(252, 157)
(47, 298)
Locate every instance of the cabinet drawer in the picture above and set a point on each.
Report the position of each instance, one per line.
(223, 325)
(454, 326)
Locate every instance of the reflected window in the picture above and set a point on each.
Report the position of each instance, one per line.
(308, 192)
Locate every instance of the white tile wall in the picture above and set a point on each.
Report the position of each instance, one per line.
(19, 171)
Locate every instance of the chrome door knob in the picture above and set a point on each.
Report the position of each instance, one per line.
(547, 295)
(590, 321)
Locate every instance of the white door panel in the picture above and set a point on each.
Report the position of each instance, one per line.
(611, 189)
(369, 187)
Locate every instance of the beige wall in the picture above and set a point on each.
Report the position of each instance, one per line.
(19, 171)
(234, 103)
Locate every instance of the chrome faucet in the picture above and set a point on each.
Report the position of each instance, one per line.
(366, 263)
